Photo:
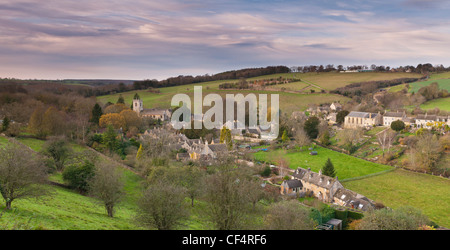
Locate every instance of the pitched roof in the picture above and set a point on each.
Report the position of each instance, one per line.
(337, 105)
(361, 114)
(154, 111)
(426, 117)
(293, 183)
(314, 178)
(218, 147)
(394, 114)
(351, 198)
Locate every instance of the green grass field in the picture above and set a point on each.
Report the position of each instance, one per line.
(400, 187)
(333, 80)
(288, 101)
(67, 210)
(346, 166)
(330, 81)
(443, 84)
(441, 103)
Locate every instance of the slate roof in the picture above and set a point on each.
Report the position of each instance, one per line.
(253, 131)
(153, 111)
(351, 198)
(294, 183)
(361, 114)
(218, 147)
(314, 178)
(394, 114)
(426, 117)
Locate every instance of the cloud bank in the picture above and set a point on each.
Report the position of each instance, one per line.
(158, 39)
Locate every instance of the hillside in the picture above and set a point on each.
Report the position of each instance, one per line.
(66, 209)
(295, 96)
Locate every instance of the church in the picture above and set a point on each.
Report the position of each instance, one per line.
(157, 114)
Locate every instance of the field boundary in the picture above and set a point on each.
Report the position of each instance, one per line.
(368, 176)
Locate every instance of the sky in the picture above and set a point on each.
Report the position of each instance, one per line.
(146, 39)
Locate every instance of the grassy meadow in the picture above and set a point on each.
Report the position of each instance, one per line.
(401, 188)
(441, 103)
(346, 166)
(289, 102)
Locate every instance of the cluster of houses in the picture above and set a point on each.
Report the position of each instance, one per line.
(194, 149)
(324, 188)
(366, 119)
(357, 119)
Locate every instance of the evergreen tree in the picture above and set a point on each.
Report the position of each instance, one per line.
(139, 152)
(110, 138)
(223, 133)
(228, 139)
(284, 137)
(96, 113)
(5, 124)
(328, 169)
(136, 97)
(120, 100)
(398, 125)
(312, 127)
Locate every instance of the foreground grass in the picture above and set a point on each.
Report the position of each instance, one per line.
(67, 210)
(400, 187)
(346, 166)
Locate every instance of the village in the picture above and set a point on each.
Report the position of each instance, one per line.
(299, 182)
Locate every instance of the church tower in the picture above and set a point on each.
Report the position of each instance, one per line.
(138, 106)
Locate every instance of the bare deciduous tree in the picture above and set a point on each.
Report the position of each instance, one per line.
(288, 215)
(301, 138)
(22, 174)
(385, 139)
(228, 199)
(107, 186)
(162, 206)
(426, 152)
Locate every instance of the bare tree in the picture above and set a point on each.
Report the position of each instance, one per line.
(107, 186)
(288, 215)
(301, 138)
(162, 206)
(385, 139)
(348, 137)
(426, 152)
(22, 175)
(283, 166)
(228, 199)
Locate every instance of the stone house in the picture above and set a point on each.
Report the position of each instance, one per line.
(292, 186)
(324, 188)
(214, 150)
(428, 121)
(390, 117)
(336, 107)
(362, 119)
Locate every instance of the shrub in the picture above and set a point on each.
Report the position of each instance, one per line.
(266, 172)
(78, 176)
